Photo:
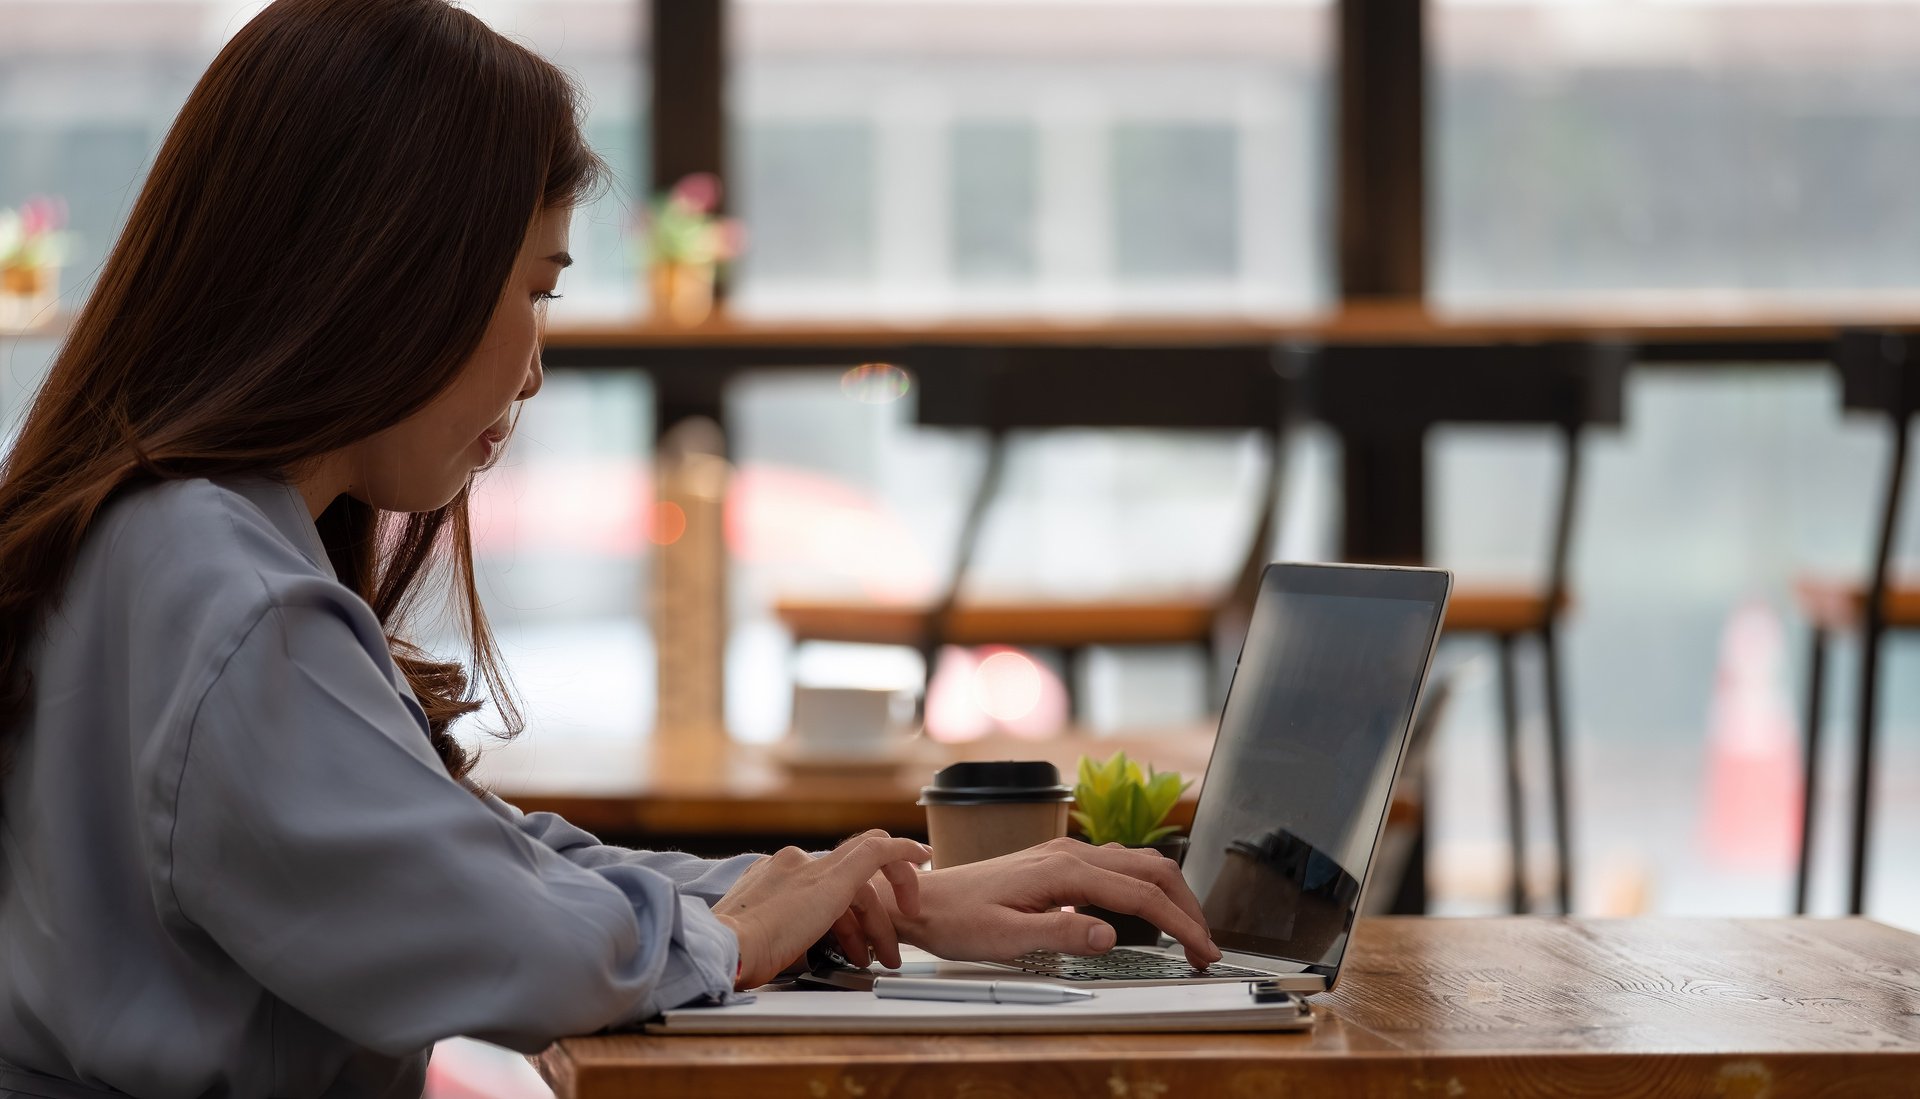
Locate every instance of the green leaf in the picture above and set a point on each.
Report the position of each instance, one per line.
(1086, 772)
(1157, 835)
(1163, 791)
(1131, 813)
(1117, 803)
(1101, 832)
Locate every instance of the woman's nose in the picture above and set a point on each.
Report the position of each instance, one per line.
(535, 375)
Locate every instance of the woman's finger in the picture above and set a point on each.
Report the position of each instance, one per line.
(877, 926)
(1122, 893)
(1064, 932)
(904, 877)
(861, 857)
(851, 939)
(1148, 865)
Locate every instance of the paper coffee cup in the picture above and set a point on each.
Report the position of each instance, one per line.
(979, 811)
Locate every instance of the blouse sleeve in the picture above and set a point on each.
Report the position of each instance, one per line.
(316, 838)
(708, 879)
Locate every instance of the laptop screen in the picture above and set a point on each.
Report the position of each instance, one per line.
(1310, 739)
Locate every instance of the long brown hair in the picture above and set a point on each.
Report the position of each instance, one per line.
(317, 252)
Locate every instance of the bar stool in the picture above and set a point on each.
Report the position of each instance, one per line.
(1879, 372)
(1570, 386)
(1007, 389)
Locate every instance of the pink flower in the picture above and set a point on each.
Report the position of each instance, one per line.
(729, 238)
(699, 191)
(41, 214)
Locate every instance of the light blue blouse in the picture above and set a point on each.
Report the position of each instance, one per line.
(232, 865)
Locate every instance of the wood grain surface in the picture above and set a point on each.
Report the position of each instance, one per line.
(1520, 1006)
(1668, 316)
(1839, 604)
(1034, 622)
(1674, 317)
(665, 787)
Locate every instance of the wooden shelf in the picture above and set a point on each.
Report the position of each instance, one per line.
(1681, 320)
(670, 790)
(1384, 322)
(1029, 623)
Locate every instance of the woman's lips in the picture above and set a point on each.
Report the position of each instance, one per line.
(490, 441)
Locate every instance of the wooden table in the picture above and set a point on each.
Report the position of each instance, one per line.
(1525, 1006)
(689, 793)
(1673, 326)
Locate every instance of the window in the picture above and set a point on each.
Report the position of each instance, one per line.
(602, 45)
(1734, 147)
(1060, 156)
(994, 202)
(88, 89)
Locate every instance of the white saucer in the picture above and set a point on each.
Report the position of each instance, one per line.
(890, 756)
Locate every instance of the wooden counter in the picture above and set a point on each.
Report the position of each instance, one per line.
(1526, 1006)
(665, 791)
(1676, 323)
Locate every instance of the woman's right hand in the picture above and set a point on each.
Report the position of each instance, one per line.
(786, 902)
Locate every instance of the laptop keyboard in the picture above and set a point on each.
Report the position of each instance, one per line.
(1124, 965)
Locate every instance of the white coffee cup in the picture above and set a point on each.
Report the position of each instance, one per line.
(850, 722)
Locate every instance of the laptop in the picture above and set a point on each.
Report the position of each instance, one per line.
(1313, 732)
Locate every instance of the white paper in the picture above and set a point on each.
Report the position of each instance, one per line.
(1181, 1007)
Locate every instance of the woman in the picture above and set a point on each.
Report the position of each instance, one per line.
(240, 853)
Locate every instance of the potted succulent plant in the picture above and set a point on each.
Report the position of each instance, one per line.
(1116, 802)
(32, 247)
(685, 243)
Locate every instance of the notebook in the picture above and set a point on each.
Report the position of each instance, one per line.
(1196, 1007)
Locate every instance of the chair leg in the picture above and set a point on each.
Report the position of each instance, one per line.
(1073, 672)
(1810, 773)
(1516, 805)
(1557, 766)
(930, 665)
(1863, 772)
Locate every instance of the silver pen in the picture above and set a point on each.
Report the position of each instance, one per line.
(995, 992)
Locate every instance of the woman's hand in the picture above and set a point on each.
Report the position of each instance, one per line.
(1005, 907)
(784, 903)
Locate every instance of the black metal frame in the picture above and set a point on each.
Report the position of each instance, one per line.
(1879, 372)
(687, 58)
(1003, 389)
(1381, 163)
(1382, 400)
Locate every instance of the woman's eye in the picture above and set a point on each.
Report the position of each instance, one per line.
(546, 295)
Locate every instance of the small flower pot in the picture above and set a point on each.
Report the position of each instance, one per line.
(1132, 930)
(683, 292)
(27, 295)
(22, 281)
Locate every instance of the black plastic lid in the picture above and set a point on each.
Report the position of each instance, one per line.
(997, 781)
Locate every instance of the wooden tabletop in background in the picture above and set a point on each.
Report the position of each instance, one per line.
(668, 787)
(1675, 317)
(1658, 317)
(1522, 1006)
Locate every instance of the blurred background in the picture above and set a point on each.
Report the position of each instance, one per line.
(910, 162)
